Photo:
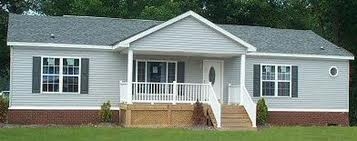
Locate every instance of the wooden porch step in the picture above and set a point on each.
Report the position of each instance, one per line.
(238, 128)
(235, 117)
(235, 113)
(228, 117)
(235, 120)
(232, 107)
(234, 123)
(228, 111)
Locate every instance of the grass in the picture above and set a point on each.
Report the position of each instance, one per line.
(133, 134)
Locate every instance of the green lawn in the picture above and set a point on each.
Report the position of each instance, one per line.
(132, 134)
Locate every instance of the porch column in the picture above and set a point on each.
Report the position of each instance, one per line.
(242, 75)
(130, 76)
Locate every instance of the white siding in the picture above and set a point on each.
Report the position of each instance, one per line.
(188, 35)
(106, 69)
(316, 89)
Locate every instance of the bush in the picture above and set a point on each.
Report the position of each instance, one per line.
(105, 113)
(4, 105)
(262, 112)
(198, 117)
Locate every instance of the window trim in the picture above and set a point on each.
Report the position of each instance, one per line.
(276, 80)
(60, 89)
(146, 68)
(329, 71)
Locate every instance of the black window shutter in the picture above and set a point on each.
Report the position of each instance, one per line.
(180, 72)
(134, 71)
(256, 80)
(36, 74)
(84, 75)
(294, 80)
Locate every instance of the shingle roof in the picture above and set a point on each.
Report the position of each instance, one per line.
(108, 31)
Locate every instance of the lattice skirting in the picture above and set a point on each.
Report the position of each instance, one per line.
(157, 115)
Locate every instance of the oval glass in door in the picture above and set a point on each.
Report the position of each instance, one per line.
(212, 75)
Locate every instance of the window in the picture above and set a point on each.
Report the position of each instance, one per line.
(156, 71)
(60, 75)
(50, 74)
(333, 71)
(212, 75)
(70, 74)
(275, 80)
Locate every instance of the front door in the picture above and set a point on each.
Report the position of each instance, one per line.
(213, 72)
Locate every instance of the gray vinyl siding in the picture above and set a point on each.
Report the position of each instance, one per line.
(106, 69)
(231, 75)
(188, 35)
(316, 88)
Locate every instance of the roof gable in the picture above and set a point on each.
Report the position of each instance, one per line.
(126, 42)
(188, 36)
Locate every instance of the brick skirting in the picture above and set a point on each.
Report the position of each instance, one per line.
(68, 117)
(308, 118)
(73, 117)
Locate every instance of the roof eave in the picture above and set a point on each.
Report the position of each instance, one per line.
(301, 55)
(60, 45)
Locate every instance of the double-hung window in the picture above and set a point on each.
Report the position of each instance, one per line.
(60, 75)
(275, 80)
(50, 74)
(70, 75)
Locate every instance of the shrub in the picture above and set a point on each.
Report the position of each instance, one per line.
(198, 117)
(4, 105)
(262, 112)
(105, 113)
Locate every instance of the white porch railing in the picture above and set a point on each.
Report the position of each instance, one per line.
(123, 86)
(233, 94)
(152, 92)
(249, 105)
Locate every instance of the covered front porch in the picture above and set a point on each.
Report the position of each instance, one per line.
(213, 79)
(184, 60)
(183, 79)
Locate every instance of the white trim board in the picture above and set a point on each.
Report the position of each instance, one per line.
(306, 110)
(58, 108)
(102, 47)
(301, 55)
(126, 43)
(35, 44)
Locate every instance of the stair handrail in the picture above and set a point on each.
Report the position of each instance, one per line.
(249, 106)
(215, 105)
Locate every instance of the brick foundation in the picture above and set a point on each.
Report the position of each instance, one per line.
(308, 118)
(68, 117)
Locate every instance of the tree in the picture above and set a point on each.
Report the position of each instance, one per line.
(12, 6)
(165, 11)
